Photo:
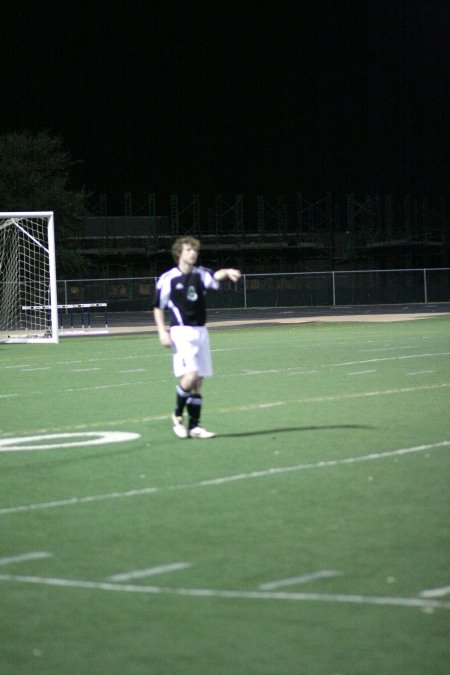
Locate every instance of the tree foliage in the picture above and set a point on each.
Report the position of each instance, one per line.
(35, 176)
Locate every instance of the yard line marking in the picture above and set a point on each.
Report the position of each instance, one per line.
(221, 480)
(83, 370)
(303, 579)
(436, 592)
(362, 372)
(335, 365)
(70, 390)
(72, 501)
(20, 365)
(385, 358)
(251, 406)
(334, 397)
(150, 572)
(421, 372)
(274, 404)
(36, 555)
(228, 594)
(317, 465)
(386, 349)
(134, 370)
(32, 370)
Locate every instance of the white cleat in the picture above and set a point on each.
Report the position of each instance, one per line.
(178, 427)
(200, 432)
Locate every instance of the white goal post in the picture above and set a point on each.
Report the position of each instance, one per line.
(28, 293)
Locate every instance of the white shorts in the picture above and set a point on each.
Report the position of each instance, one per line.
(191, 351)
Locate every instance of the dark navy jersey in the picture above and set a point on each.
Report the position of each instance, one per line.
(184, 295)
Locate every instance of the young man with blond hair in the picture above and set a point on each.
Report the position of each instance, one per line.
(182, 290)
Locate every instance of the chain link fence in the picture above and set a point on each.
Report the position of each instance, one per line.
(305, 289)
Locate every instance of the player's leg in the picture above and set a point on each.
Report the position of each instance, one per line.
(192, 362)
(194, 402)
(183, 394)
(185, 368)
(184, 389)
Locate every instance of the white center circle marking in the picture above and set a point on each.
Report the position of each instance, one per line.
(82, 438)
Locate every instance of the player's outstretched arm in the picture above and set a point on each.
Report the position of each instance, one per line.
(163, 333)
(227, 273)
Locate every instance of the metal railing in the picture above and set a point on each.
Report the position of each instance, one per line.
(311, 289)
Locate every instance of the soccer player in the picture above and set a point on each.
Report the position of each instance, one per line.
(182, 290)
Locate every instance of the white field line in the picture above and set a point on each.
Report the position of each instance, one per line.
(303, 579)
(24, 557)
(421, 372)
(231, 595)
(261, 372)
(436, 592)
(330, 398)
(248, 346)
(19, 365)
(362, 372)
(92, 360)
(150, 572)
(274, 471)
(71, 390)
(95, 438)
(251, 373)
(290, 370)
(384, 358)
(387, 349)
(251, 406)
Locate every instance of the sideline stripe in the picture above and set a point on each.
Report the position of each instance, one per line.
(219, 481)
(384, 358)
(79, 500)
(251, 406)
(303, 579)
(362, 372)
(421, 372)
(436, 592)
(150, 572)
(232, 595)
(25, 557)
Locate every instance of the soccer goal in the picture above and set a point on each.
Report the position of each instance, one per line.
(28, 296)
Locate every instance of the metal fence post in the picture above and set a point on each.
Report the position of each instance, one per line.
(334, 288)
(425, 290)
(245, 291)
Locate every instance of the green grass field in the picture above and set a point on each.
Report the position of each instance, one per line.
(309, 537)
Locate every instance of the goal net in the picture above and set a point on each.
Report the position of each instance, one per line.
(28, 298)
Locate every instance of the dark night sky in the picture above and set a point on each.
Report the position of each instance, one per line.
(212, 96)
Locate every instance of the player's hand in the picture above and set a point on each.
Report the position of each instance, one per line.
(233, 275)
(164, 338)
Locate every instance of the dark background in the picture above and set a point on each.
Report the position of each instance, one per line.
(178, 96)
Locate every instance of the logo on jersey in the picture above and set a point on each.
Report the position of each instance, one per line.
(191, 294)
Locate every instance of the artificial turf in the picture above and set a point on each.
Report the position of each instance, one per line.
(310, 529)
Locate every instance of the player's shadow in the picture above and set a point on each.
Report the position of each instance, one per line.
(283, 430)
